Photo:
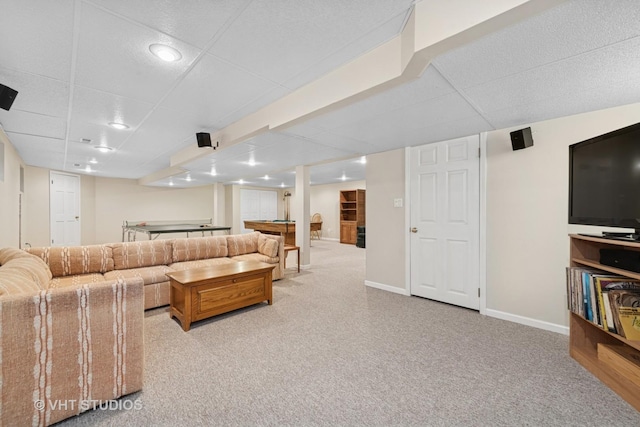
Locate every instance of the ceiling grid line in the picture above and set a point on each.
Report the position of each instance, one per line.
(72, 77)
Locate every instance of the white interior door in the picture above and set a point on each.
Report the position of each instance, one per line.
(445, 221)
(64, 196)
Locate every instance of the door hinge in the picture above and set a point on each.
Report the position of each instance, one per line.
(478, 292)
(478, 151)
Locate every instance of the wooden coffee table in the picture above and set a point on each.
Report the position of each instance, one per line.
(200, 293)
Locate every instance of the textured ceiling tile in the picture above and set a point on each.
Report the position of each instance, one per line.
(564, 31)
(33, 124)
(430, 85)
(215, 89)
(347, 53)
(606, 73)
(122, 63)
(252, 106)
(37, 94)
(299, 33)
(43, 29)
(195, 23)
(38, 151)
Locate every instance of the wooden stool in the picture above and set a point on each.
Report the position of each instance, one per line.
(288, 248)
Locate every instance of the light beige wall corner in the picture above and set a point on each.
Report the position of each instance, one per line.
(386, 229)
(527, 192)
(325, 200)
(10, 194)
(118, 200)
(37, 224)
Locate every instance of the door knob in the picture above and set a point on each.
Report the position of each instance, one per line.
(77, 217)
(414, 230)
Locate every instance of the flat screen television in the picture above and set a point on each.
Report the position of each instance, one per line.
(604, 181)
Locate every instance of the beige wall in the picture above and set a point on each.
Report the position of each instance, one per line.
(527, 247)
(527, 193)
(10, 194)
(118, 200)
(325, 200)
(386, 229)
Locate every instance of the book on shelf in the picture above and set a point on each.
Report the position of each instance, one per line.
(630, 321)
(622, 301)
(598, 296)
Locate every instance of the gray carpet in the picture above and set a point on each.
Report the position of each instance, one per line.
(331, 351)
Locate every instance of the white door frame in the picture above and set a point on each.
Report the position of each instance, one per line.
(482, 270)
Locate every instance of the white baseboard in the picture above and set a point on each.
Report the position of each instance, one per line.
(528, 321)
(332, 239)
(388, 288)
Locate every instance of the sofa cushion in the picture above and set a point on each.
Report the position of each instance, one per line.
(187, 265)
(256, 256)
(72, 260)
(22, 273)
(194, 248)
(141, 254)
(149, 275)
(239, 244)
(268, 247)
(76, 280)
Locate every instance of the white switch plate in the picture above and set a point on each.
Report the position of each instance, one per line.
(397, 203)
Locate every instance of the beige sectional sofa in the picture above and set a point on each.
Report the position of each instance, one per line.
(151, 259)
(71, 318)
(63, 350)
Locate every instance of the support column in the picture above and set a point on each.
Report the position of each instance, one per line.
(303, 216)
(219, 211)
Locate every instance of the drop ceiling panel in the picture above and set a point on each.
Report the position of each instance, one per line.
(567, 30)
(343, 55)
(300, 35)
(93, 110)
(38, 151)
(252, 106)
(196, 23)
(36, 94)
(34, 124)
(382, 130)
(330, 139)
(122, 63)
(592, 75)
(215, 89)
(164, 133)
(430, 85)
(37, 37)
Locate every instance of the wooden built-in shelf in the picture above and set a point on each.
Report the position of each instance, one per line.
(592, 346)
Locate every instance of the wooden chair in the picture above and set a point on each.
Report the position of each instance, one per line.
(318, 233)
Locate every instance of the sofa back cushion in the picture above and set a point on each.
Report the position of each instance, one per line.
(195, 248)
(240, 244)
(141, 254)
(22, 273)
(267, 246)
(72, 260)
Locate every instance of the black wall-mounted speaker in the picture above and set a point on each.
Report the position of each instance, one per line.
(7, 96)
(204, 139)
(521, 139)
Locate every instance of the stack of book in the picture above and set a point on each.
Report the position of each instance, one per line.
(608, 300)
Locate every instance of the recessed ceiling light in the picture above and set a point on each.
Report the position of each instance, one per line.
(188, 178)
(251, 162)
(165, 53)
(213, 172)
(363, 160)
(343, 177)
(266, 177)
(103, 148)
(88, 169)
(241, 181)
(93, 161)
(120, 126)
(282, 184)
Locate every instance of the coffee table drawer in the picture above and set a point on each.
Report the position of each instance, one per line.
(216, 298)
